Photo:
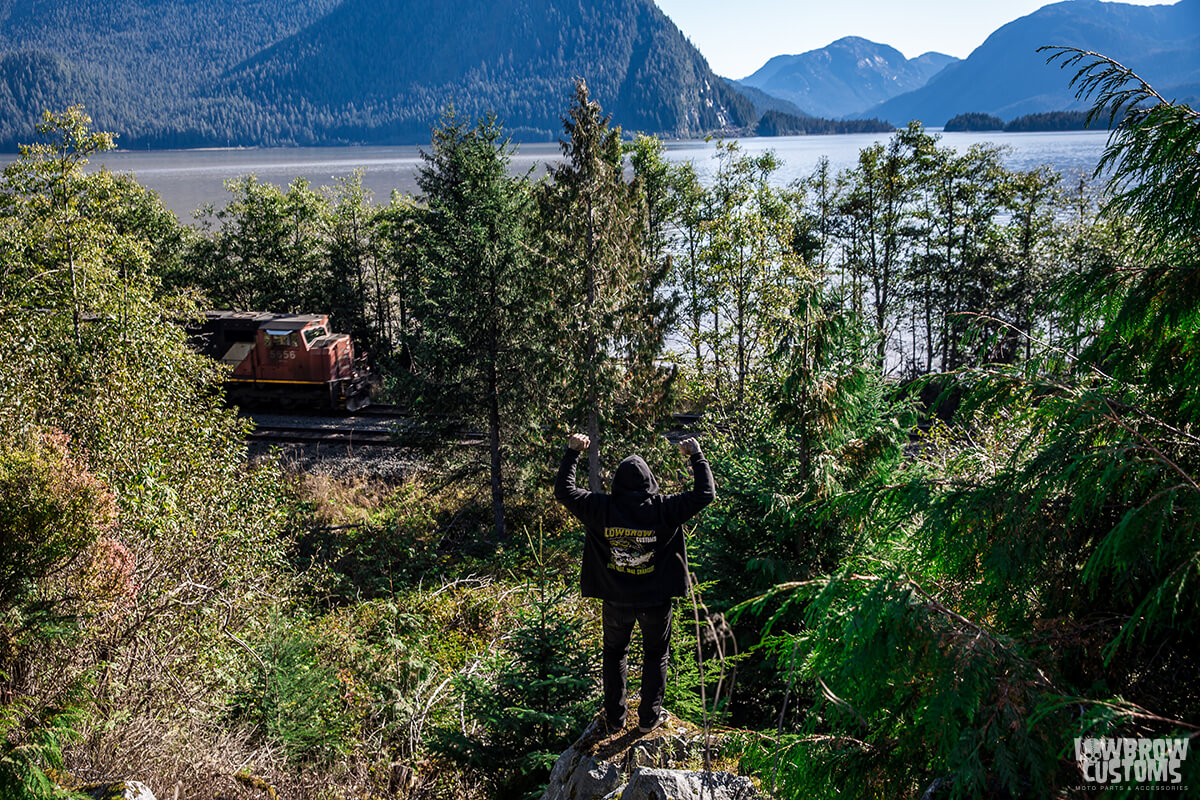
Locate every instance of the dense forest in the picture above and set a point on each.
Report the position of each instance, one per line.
(974, 121)
(779, 123)
(951, 409)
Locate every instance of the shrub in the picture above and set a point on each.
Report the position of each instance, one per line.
(52, 512)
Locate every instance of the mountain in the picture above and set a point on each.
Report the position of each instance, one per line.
(133, 63)
(778, 117)
(1006, 76)
(517, 58)
(185, 73)
(764, 102)
(846, 77)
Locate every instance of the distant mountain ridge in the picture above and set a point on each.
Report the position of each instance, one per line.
(845, 77)
(764, 102)
(185, 73)
(1006, 77)
(188, 73)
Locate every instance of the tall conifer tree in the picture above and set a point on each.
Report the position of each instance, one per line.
(480, 346)
(612, 276)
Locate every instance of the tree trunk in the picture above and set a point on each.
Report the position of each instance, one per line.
(494, 437)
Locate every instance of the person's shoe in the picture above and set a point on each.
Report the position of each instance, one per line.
(601, 728)
(661, 720)
(616, 726)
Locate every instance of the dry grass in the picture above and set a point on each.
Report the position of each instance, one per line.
(342, 501)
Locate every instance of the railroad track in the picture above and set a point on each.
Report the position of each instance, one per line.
(305, 429)
(351, 437)
(386, 410)
(383, 410)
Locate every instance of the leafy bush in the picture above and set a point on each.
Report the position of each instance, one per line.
(299, 699)
(53, 511)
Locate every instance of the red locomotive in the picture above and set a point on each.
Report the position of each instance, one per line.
(287, 360)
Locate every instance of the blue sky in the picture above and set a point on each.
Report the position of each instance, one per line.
(739, 36)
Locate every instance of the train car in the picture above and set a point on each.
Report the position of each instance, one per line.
(283, 360)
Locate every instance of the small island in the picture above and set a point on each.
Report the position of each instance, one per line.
(777, 123)
(1042, 121)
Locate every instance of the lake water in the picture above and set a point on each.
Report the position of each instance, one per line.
(187, 179)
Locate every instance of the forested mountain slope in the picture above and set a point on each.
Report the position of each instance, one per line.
(1007, 77)
(514, 57)
(180, 73)
(134, 63)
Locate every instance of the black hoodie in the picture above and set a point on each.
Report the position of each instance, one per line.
(634, 550)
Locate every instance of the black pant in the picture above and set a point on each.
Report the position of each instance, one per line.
(655, 622)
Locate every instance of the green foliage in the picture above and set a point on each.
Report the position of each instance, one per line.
(741, 271)
(30, 758)
(156, 509)
(298, 701)
(1028, 576)
(267, 253)
(484, 304)
(828, 427)
(529, 697)
(300, 250)
(702, 673)
(945, 613)
(612, 308)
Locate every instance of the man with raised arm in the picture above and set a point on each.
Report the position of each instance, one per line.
(635, 560)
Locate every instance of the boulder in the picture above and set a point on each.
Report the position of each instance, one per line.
(119, 790)
(625, 765)
(673, 784)
(579, 776)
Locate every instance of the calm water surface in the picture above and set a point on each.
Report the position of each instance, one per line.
(188, 179)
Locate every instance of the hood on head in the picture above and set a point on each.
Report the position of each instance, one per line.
(633, 478)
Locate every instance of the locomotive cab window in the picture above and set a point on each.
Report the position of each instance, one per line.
(283, 339)
(312, 334)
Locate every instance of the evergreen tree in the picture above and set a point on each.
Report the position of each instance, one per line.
(878, 204)
(395, 241)
(752, 270)
(483, 306)
(691, 203)
(1029, 577)
(533, 696)
(268, 252)
(610, 289)
(355, 292)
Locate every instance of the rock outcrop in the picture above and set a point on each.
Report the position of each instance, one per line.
(667, 764)
(121, 790)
